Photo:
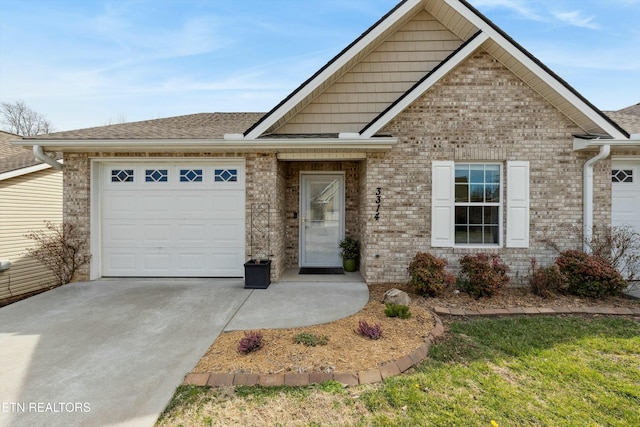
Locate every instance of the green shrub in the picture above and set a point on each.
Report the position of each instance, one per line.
(482, 275)
(589, 275)
(310, 340)
(397, 310)
(427, 274)
(546, 280)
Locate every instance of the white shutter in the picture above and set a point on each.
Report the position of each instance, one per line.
(442, 197)
(517, 204)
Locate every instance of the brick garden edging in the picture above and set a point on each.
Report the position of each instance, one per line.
(395, 367)
(389, 369)
(510, 311)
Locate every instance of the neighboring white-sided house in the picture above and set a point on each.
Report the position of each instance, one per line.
(30, 193)
(433, 131)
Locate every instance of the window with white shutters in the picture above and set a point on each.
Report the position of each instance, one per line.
(468, 201)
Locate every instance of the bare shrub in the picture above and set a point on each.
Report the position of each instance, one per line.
(619, 245)
(545, 281)
(61, 249)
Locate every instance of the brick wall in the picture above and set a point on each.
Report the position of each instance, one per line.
(480, 111)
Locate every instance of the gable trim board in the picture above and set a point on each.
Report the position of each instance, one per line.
(23, 171)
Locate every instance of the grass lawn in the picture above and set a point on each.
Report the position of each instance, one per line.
(525, 371)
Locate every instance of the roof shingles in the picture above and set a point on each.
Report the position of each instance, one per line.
(193, 126)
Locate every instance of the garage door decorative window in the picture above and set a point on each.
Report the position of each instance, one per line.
(122, 175)
(156, 175)
(190, 175)
(226, 175)
(622, 175)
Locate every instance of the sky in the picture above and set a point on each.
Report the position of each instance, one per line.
(85, 63)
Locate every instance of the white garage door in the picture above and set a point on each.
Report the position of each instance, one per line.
(625, 204)
(173, 220)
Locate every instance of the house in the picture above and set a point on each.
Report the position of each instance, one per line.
(30, 193)
(433, 131)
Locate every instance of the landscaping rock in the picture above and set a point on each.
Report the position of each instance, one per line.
(396, 296)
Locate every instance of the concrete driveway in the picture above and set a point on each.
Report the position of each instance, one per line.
(112, 352)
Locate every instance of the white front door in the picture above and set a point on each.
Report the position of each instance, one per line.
(321, 219)
(625, 189)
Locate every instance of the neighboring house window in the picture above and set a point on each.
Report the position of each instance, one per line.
(122, 175)
(477, 203)
(622, 175)
(468, 201)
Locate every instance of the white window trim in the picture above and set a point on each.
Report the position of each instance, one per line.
(500, 209)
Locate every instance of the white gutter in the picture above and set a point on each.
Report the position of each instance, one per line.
(38, 151)
(192, 145)
(587, 208)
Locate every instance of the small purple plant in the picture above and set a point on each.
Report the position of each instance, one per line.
(251, 341)
(374, 331)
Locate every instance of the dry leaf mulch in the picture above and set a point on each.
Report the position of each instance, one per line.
(347, 351)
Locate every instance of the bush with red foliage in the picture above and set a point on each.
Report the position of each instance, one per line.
(482, 275)
(427, 274)
(589, 275)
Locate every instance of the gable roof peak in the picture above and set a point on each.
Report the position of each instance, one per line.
(461, 19)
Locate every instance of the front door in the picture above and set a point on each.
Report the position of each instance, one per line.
(321, 219)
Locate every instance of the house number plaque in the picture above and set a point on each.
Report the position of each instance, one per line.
(378, 201)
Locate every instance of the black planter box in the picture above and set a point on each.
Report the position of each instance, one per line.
(257, 276)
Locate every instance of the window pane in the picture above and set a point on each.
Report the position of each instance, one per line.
(122, 175)
(491, 235)
(462, 193)
(475, 234)
(477, 193)
(461, 234)
(475, 215)
(462, 173)
(226, 175)
(492, 174)
(190, 175)
(477, 173)
(477, 186)
(462, 215)
(491, 215)
(492, 193)
(156, 175)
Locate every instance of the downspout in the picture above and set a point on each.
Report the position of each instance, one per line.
(38, 151)
(587, 208)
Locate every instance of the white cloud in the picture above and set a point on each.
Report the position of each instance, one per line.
(576, 18)
(518, 6)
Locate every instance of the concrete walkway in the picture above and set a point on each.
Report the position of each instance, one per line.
(633, 290)
(112, 352)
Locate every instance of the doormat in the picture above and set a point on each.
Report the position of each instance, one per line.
(321, 270)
